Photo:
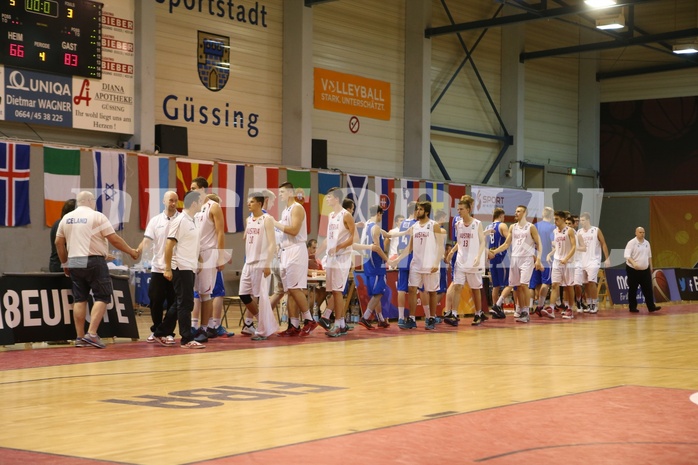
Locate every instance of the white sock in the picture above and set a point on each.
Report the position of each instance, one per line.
(341, 322)
(249, 321)
(427, 311)
(195, 323)
(296, 322)
(307, 315)
(401, 313)
(327, 313)
(367, 314)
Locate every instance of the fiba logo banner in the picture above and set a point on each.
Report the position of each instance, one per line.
(213, 60)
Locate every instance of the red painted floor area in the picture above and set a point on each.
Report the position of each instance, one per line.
(628, 425)
(67, 355)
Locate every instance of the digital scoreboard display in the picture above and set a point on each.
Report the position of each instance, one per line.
(52, 36)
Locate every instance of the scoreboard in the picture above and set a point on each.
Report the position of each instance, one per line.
(52, 36)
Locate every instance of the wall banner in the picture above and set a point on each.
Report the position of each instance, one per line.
(38, 307)
(351, 94)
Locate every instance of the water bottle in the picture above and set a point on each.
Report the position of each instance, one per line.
(118, 258)
(284, 313)
(147, 259)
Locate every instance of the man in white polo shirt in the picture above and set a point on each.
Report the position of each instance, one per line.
(160, 289)
(81, 243)
(181, 263)
(638, 266)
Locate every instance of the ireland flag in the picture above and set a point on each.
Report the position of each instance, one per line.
(61, 180)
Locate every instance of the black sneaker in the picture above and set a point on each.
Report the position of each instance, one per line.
(655, 309)
(483, 317)
(497, 312)
(200, 335)
(211, 333)
(451, 320)
(325, 323)
(365, 323)
(476, 320)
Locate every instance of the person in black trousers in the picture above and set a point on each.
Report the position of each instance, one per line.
(638, 265)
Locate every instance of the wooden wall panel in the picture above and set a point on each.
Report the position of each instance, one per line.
(254, 86)
(364, 38)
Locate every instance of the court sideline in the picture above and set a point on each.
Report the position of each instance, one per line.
(611, 388)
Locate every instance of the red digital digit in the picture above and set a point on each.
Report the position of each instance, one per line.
(70, 59)
(17, 50)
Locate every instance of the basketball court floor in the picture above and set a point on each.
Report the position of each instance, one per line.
(612, 388)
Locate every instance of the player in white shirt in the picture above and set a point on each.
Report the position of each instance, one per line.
(590, 243)
(293, 262)
(260, 247)
(214, 256)
(391, 244)
(470, 259)
(426, 244)
(155, 236)
(338, 245)
(526, 252)
(562, 273)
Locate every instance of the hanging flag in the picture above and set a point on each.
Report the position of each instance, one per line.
(455, 192)
(110, 187)
(435, 194)
(61, 180)
(187, 170)
(14, 184)
(301, 182)
(326, 181)
(385, 197)
(153, 176)
(231, 190)
(357, 190)
(267, 178)
(410, 193)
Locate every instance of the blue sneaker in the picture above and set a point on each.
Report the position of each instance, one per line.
(438, 320)
(401, 323)
(410, 323)
(430, 324)
(222, 332)
(94, 341)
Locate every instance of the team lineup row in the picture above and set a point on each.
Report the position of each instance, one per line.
(189, 255)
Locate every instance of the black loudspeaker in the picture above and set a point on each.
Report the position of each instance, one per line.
(171, 139)
(319, 158)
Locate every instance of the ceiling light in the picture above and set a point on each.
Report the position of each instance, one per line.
(611, 22)
(682, 49)
(600, 3)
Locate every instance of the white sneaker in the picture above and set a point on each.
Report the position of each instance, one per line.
(248, 330)
(523, 318)
(593, 309)
(151, 338)
(517, 314)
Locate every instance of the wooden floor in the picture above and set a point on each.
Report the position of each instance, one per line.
(140, 403)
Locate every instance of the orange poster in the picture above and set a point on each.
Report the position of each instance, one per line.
(674, 231)
(350, 94)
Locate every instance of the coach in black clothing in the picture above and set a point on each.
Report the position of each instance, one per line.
(638, 265)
